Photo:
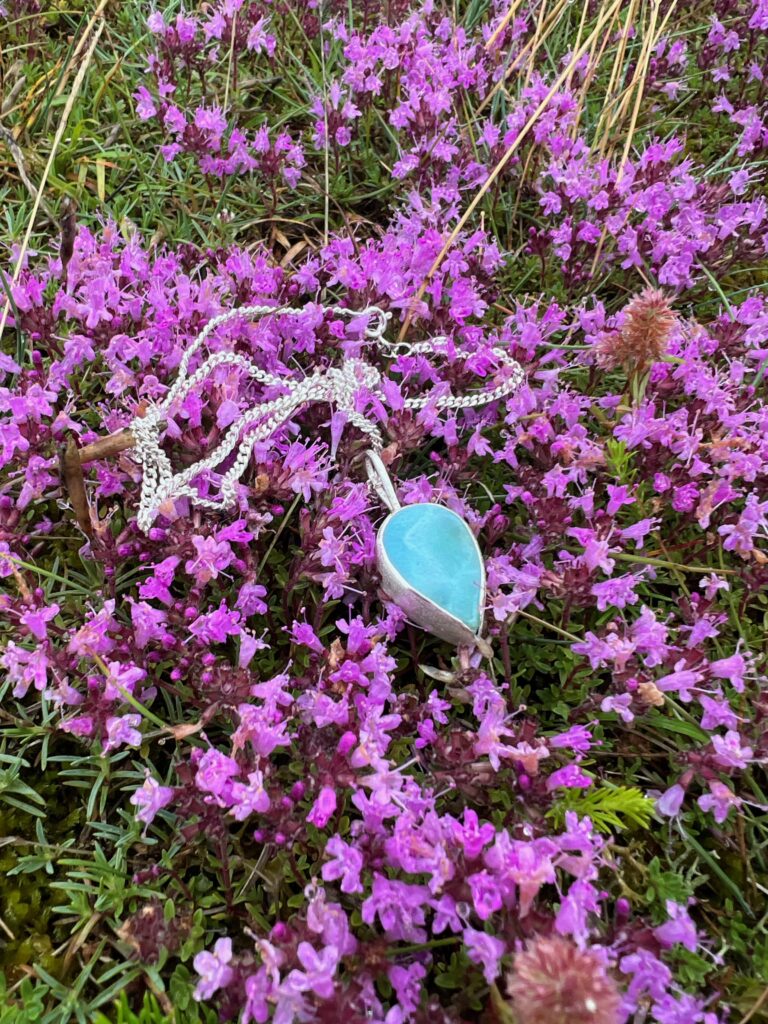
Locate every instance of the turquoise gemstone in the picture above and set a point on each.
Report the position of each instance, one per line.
(435, 553)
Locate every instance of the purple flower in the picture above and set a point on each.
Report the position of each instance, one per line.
(122, 731)
(216, 626)
(80, 725)
(258, 988)
(212, 557)
(719, 800)
(486, 893)
(618, 497)
(617, 592)
(734, 669)
(400, 908)
(570, 776)
(213, 970)
(489, 737)
(25, 668)
(621, 705)
(682, 681)
(407, 983)
(214, 773)
(717, 713)
(122, 679)
(258, 726)
(471, 835)
(638, 531)
(329, 920)
(729, 750)
(670, 802)
(318, 974)
(418, 845)
(145, 106)
(210, 119)
(323, 808)
(484, 950)
(93, 637)
(596, 555)
(303, 634)
(157, 587)
(150, 798)
(581, 900)
(250, 599)
(346, 864)
(307, 474)
(649, 976)
(678, 929)
(578, 738)
(524, 865)
(155, 23)
(247, 799)
(149, 623)
(36, 620)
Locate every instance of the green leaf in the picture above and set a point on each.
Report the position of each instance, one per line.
(609, 807)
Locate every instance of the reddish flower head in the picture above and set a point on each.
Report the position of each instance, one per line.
(554, 982)
(643, 338)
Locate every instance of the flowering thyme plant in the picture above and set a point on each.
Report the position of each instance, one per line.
(269, 797)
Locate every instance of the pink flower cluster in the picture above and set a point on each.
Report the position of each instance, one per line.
(192, 46)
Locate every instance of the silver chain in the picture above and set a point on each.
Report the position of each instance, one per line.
(338, 386)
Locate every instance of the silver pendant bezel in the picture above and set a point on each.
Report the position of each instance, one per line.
(417, 606)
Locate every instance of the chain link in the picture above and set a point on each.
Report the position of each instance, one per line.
(338, 386)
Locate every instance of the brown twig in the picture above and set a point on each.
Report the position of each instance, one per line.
(68, 226)
(105, 447)
(74, 484)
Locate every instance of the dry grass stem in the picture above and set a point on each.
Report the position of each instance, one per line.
(612, 94)
(639, 84)
(594, 64)
(535, 41)
(538, 39)
(97, 23)
(21, 166)
(511, 150)
(503, 23)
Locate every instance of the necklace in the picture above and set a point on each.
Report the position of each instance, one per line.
(427, 556)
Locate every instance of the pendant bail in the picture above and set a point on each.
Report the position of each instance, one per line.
(380, 481)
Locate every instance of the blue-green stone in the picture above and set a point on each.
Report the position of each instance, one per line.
(434, 551)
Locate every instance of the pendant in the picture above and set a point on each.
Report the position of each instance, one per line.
(430, 564)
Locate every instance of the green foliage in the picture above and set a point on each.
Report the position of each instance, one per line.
(121, 1013)
(30, 1004)
(27, 1005)
(667, 885)
(15, 792)
(610, 808)
(619, 460)
(468, 991)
